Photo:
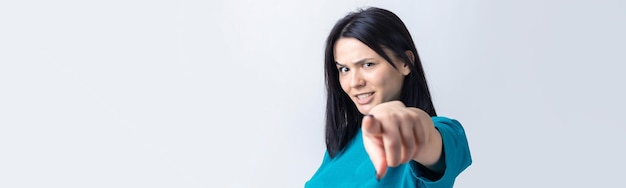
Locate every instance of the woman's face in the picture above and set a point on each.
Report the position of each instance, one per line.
(367, 77)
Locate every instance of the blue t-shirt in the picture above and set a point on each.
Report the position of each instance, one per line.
(352, 167)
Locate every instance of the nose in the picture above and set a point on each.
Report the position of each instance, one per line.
(356, 80)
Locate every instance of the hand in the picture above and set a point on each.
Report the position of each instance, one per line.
(394, 134)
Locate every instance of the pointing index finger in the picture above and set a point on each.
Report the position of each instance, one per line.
(373, 143)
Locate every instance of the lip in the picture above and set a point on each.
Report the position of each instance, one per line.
(365, 100)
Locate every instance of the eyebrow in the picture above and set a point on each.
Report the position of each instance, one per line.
(357, 62)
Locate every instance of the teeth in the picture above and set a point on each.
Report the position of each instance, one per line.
(363, 96)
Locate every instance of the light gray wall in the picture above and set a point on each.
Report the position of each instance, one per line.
(230, 93)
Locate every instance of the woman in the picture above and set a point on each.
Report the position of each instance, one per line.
(381, 125)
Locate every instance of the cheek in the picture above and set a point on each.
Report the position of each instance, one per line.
(393, 86)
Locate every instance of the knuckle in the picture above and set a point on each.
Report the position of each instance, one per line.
(394, 144)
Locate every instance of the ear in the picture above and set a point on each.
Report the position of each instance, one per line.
(405, 67)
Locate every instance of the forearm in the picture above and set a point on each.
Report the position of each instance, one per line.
(430, 153)
(454, 157)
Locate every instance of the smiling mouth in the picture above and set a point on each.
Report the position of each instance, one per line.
(364, 98)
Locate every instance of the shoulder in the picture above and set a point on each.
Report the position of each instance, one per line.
(443, 121)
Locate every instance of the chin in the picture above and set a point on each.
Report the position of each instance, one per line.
(364, 109)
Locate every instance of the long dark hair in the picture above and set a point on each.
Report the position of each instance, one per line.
(378, 29)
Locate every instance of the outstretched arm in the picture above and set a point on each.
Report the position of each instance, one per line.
(394, 134)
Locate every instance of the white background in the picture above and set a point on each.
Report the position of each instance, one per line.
(231, 93)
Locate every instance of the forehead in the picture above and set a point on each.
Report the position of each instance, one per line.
(350, 50)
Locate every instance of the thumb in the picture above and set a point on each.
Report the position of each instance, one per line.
(373, 143)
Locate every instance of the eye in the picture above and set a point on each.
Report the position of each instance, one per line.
(366, 65)
(343, 69)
